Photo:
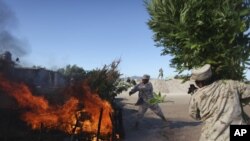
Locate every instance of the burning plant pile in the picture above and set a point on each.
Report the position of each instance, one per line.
(83, 111)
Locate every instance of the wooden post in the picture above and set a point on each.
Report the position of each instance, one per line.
(120, 123)
(74, 129)
(113, 126)
(41, 132)
(99, 125)
(117, 122)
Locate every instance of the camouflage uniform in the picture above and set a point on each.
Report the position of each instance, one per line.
(160, 73)
(146, 93)
(218, 105)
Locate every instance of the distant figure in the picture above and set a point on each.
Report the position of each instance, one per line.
(128, 80)
(218, 103)
(131, 81)
(160, 76)
(145, 89)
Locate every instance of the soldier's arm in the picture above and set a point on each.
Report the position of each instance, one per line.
(244, 90)
(194, 111)
(134, 89)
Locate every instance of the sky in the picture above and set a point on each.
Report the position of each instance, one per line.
(88, 33)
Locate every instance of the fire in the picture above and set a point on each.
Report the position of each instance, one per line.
(69, 117)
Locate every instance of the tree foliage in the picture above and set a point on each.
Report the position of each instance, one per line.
(196, 32)
(105, 81)
(72, 71)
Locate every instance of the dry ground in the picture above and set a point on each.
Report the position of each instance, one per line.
(180, 128)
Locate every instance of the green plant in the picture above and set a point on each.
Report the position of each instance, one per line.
(73, 71)
(158, 98)
(197, 32)
(105, 81)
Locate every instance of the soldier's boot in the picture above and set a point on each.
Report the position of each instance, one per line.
(166, 122)
(163, 118)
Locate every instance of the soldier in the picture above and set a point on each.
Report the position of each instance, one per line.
(160, 73)
(145, 89)
(218, 104)
(128, 80)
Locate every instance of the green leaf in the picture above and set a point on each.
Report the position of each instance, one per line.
(196, 32)
(157, 98)
(244, 12)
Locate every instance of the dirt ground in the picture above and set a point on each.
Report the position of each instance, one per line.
(180, 126)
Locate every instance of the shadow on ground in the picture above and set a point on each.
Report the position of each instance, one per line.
(152, 128)
(180, 124)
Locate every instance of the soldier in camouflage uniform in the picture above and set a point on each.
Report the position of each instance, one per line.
(160, 73)
(218, 104)
(145, 89)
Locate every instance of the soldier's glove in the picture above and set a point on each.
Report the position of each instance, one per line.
(192, 89)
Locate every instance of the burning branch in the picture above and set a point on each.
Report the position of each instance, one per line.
(99, 125)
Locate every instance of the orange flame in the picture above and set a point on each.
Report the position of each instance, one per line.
(68, 117)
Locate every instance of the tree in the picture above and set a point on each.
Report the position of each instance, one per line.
(196, 32)
(73, 71)
(106, 81)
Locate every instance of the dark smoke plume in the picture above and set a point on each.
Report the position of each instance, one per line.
(8, 42)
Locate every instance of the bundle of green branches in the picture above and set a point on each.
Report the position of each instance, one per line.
(158, 98)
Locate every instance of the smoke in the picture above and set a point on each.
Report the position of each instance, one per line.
(8, 42)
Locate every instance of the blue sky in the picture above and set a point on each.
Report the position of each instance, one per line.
(88, 33)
